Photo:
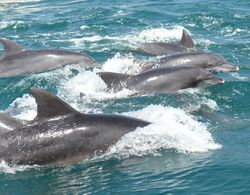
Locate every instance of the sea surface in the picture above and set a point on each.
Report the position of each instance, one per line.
(199, 142)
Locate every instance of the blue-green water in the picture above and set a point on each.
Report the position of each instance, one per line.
(199, 143)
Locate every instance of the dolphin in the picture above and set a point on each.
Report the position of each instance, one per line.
(18, 61)
(61, 135)
(8, 123)
(210, 61)
(185, 45)
(160, 80)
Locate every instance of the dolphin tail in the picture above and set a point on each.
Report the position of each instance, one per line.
(113, 80)
(186, 40)
(10, 47)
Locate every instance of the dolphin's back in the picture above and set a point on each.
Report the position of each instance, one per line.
(161, 48)
(186, 44)
(167, 79)
(8, 123)
(65, 140)
(197, 59)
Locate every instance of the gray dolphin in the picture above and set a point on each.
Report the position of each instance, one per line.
(61, 135)
(185, 45)
(8, 123)
(160, 80)
(214, 63)
(19, 61)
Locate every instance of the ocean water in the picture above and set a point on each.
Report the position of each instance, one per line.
(199, 140)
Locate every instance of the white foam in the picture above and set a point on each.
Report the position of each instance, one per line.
(237, 76)
(229, 31)
(13, 24)
(120, 13)
(24, 108)
(160, 34)
(86, 82)
(133, 39)
(205, 43)
(5, 24)
(5, 168)
(209, 21)
(122, 64)
(91, 85)
(238, 16)
(69, 88)
(84, 27)
(79, 42)
(94, 38)
(172, 128)
(210, 104)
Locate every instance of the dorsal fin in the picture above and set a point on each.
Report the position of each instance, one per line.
(10, 47)
(186, 40)
(49, 106)
(113, 80)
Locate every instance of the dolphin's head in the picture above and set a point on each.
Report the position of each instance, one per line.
(203, 74)
(206, 78)
(214, 60)
(224, 68)
(218, 64)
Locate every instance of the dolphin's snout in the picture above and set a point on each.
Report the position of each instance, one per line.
(214, 81)
(224, 68)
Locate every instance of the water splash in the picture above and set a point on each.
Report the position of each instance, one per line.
(133, 39)
(172, 128)
(122, 64)
(5, 168)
